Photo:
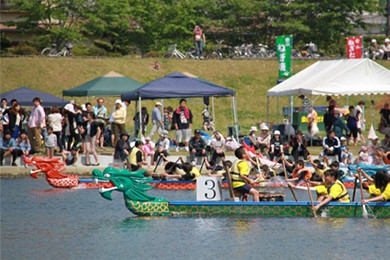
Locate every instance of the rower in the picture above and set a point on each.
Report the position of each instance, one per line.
(300, 172)
(240, 172)
(336, 190)
(191, 173)
(381, 190)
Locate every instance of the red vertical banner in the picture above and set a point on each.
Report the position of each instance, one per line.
(355, 47)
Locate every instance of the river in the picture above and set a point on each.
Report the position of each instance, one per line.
(40, 222)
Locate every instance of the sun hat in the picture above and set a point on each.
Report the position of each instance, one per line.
(158, 104)
(253, 129)
(264, 127)
(147, 138)
(387, 40)
(373, 41)
(276, 132)
(343, 138)
(118, 101)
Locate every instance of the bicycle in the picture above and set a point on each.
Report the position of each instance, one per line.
(217, 53)
(173, 52)
(52, 52)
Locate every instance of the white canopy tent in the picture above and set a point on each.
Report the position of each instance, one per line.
(335, 77)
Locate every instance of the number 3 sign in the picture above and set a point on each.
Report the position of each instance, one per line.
(208, 189)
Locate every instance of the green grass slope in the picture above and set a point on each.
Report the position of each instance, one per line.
(250, 78)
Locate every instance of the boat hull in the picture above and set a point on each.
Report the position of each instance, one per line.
(259, 209)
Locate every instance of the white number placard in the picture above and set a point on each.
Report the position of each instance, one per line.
(208, 189)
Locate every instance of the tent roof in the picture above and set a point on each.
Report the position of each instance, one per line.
(111, 84)
(177, 85)
(25, 95)
(337, 77)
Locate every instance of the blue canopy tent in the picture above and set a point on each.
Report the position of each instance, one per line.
(25, 95)
(178, 85)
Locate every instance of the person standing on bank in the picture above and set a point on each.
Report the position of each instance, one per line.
(200, 41)
(119, 119)
(156, 120)
(182, 119)
(35, 124)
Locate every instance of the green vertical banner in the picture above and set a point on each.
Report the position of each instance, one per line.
(283, 51)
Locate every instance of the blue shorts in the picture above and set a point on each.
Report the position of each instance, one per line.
(243, 189)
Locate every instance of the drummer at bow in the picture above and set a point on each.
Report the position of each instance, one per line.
(336, 190)
(381, 191)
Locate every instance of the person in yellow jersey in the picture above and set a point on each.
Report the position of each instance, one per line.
(240, 174)
(381, 191)
(135, 157)
(336, 190)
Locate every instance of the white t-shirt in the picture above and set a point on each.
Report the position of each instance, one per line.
(54, 120)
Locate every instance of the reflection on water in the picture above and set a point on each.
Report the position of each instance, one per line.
(42, 223)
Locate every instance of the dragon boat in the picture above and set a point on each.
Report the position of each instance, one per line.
(134, 185)
(53, 168)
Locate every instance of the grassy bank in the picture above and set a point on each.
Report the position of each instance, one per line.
(250, 78)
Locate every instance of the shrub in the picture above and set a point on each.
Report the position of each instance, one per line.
(22, 49)
(80, 50)
(115, 54)
(96, 51)
(151, 54)
(103, 45)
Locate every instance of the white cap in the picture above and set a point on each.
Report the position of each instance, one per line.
(276, 132)
(158, 104)
(264, 127)
(373, 40)
(118, 101)
(387, 40)
(69, 107)
(164, 133)
(253, 128)
(343, 138)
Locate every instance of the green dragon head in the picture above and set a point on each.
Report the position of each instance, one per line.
(132, 184)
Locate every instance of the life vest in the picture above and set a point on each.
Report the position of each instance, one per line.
(235, 174)
(133, 156)
(374, 191)
(195, 172)
(303, 173)
(344, 197)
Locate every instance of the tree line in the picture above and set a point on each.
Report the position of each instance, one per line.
(151, 25)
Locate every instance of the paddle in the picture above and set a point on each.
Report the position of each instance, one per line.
(286, 177)
(201, 167)
(158, 162)
(364, 210)
(354, 189)
(229, 179)
(310, 196)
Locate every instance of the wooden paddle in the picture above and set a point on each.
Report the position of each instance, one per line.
(354, 190)
(158, 162)
(286, 177)
(310, 196)
(229, 179)
(201, 167)
(261, 177)
(364, 210)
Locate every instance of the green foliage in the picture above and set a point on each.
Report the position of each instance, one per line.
(80, 50)
(5, 43)
(96, 51)
(22, 49)
(154, 24)
(103, 44)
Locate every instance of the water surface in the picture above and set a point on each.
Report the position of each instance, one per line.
(40, 222)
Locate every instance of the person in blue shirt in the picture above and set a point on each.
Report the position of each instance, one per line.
(7, 147)
(23, 145)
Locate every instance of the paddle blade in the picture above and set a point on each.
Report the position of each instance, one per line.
(364, 210)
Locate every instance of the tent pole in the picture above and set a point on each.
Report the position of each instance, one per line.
(267, 110)
(212, 104)
(277, 110)
(235, 115)
(162, 113)
(291, 109)
(140, 117)
(372, 111)
(364, 110)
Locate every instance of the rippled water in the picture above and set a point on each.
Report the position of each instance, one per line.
(39, 222)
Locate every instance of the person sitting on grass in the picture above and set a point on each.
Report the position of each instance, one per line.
(162, 147)
(382, 186)
(70, 157)
(336, 190)
(240, 174)
(197, 146)
(7, 147)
